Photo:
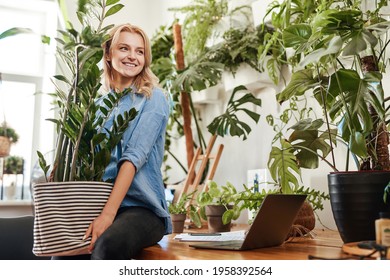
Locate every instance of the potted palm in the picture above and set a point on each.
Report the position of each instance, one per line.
(337, 56)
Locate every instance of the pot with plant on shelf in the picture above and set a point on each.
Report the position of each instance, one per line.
(8, 136)
(13, 166)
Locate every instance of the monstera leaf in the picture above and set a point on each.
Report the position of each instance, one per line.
(283, 167)
(198, 76)
(308, 140)
(229, 123)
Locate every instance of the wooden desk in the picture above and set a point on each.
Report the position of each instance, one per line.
(325, 244)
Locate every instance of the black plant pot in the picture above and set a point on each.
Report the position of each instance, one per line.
(356, 199)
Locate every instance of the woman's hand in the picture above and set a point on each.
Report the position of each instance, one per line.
(97, 227)
(106, 218)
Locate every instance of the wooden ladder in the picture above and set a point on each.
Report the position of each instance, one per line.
(190, 186)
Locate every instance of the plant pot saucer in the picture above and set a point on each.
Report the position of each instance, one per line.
(353, 248)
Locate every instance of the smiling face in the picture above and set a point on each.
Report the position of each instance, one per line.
(127, 58)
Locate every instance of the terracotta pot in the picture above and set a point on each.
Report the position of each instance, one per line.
(214, 218)
(178, 222)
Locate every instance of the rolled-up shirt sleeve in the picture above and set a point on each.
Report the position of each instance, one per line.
(150, 125)
(144, 136)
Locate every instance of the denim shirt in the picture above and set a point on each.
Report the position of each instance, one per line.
(143, 145)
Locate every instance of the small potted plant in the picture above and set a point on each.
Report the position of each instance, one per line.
(219, 206)
(179, 210)
(8, 136)
(13, 165)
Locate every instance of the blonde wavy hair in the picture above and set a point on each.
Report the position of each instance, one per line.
(146, 79)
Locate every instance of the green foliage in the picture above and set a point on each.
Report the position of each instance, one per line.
(283, 167)
(162, 42)
(200, 17)
(297, 146)
(238, 46)
(314, 197)
(180, 207)
(13, 165)
(9, 132)
(337, 53)
(229, 123)
(220, 195)
(183, 206)
(338, 57)
(83, 149)
(205, 65)
(198, 76)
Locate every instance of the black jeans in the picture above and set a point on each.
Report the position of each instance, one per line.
(133, 229)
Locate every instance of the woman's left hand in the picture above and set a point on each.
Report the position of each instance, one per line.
(97, 227)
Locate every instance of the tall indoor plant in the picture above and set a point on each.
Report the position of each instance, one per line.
(83, 150)
(75, 177)
(337, 56)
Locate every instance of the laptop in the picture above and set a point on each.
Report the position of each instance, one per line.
(270, 227)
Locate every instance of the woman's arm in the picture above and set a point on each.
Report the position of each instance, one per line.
(121, 186)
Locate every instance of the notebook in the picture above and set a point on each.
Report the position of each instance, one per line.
(270, 226)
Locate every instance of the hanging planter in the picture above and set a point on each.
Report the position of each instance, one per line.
(248, 77)
(5, 146)
(7, 137)
(208, 95)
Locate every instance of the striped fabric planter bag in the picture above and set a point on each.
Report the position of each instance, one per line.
(63, 213)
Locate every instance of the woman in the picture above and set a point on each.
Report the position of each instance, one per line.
(135, 215)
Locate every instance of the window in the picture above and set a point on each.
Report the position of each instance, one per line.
(27, 66)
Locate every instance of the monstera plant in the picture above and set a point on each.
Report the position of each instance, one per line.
(337, 53)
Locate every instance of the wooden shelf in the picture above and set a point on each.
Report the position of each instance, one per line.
(16, 203)
(14, 208)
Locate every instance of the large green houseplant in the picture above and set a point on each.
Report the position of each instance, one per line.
(337, 52)
(83, 150)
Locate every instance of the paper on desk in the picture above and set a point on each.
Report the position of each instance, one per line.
(225, 236)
